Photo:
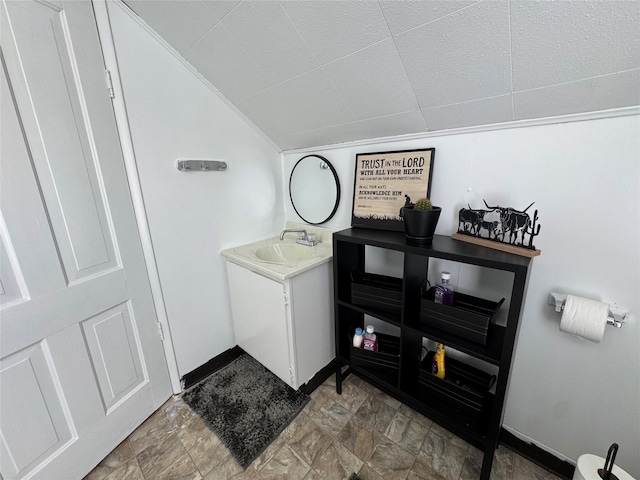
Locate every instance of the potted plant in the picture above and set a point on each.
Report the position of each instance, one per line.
(420, 220)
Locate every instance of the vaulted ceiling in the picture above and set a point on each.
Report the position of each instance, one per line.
(311, 73)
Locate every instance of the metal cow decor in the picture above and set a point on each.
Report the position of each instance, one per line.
(469, 220)
(500, 224)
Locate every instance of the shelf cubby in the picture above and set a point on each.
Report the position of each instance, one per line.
(392, 318)
(464, 393)
(491, 352)
(378, 292)
(384, 364)
(468, 317)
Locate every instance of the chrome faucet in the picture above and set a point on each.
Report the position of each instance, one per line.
(304, 238)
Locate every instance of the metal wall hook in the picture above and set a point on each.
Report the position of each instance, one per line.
(202, 165)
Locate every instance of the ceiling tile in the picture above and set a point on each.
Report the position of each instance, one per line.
(337, 28)
(219, 58)
(558, 42)
(220, 7)
(399, 124)
(408, 14)
(303, 103)
(324, 136)
(392, 125)
(461, 57)
(265, 33)
(478, 112)
(599, 93)
(180, 23)
(372, 82)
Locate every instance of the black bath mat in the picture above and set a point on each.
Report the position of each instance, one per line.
(246, 406)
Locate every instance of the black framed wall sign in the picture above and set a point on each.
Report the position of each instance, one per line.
(385, 182)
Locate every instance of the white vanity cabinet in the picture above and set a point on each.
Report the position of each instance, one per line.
(287, 325)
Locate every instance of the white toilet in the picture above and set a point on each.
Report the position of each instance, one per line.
(588, 465)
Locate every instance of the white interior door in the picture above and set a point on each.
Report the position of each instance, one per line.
(81, 361)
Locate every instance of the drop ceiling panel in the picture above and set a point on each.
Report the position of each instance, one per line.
(306, 102)
(407, 14)
(180, 23)
(219, 58)
(599, 93)
(398, 124)
(220, 8)
(559, 42)
(265, 33)
(461, 57)
(391, 125)
(373, 82)
(337, 28)
(323, 136)
(478, 112)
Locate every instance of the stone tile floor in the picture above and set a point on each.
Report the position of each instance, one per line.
(363, 431)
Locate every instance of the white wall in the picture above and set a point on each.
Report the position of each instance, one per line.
(192, 216)
(568, 395)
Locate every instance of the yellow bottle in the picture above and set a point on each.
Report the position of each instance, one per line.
(437, 365)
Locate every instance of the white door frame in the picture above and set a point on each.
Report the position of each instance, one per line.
(122, 123)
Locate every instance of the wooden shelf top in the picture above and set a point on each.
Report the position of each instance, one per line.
(442, 246)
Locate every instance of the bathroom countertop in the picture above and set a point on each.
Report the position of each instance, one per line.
(244, 255)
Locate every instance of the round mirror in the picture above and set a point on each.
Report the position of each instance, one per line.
(314, 189)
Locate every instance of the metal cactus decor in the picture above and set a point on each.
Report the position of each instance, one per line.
(505, 225)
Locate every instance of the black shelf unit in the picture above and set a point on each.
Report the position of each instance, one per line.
(478, 426)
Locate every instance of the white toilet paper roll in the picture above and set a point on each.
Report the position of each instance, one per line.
(588, 465)
(584, 317)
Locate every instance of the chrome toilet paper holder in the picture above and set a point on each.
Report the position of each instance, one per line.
(617, 315)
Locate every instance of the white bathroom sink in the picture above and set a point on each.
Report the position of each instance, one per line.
(280, 259)
(284, 253)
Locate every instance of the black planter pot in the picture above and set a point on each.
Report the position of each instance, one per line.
(420, 225)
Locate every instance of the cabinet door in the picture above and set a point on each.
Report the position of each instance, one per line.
(260, 319)
(313, 328)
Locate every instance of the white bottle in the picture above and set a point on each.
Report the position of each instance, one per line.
(370, 340)
(357, 338)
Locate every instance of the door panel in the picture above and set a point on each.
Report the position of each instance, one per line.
(82, 363)
(11, 291)
(114, 351)
(37, 428)
(63, 155)
(23, 214)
